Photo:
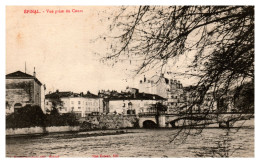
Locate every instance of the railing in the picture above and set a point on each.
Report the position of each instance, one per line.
(215, 113)
(150, 113)
(194, 113)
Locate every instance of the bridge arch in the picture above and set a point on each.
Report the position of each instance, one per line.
(147, 119)
(149, 124)
(183, 121)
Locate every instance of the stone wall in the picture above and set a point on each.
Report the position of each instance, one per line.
(40, 130)
(18, 91)
(22, 91)
(109, 122)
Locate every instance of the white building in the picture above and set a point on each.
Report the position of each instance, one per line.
(134, 103)
(81, 104)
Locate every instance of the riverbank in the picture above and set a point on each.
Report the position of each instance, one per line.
(16, 132)
(72, 134)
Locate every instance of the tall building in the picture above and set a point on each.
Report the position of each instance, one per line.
(22, 89)
(170, 89)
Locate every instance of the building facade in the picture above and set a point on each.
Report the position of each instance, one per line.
(79, 103)
(133, 102)
(170, 89)
(22, 89)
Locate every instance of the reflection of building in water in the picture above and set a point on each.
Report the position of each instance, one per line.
(170, 89)
(22, 89)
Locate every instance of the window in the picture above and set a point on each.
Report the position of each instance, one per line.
(79, 108)
(72, 102)
(47, 103)
(86, 103)
(17, 106)
(72, 108)
(130, 105)
(78, 102)
(65, 108)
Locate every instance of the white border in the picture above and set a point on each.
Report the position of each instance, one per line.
(3, 3)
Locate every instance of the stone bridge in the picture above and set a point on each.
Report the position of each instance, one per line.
(193, 119)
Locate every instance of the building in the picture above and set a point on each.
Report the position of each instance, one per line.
(79, 103)
(170, 89)
(133, 102)
(209, 103)
(22, 89)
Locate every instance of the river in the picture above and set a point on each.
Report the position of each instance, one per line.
(210, 142)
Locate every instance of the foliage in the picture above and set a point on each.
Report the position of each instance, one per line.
(215, 44)
(244, 98)
(28, 116)
(32, 116)
(56, 103)
(160, 107)
(219, 40)
(67, 119)
(54, 111)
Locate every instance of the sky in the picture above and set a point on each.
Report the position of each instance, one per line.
(62, 46)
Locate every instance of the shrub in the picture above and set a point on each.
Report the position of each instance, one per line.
(27, 116)
(31, 116)
(67, 119)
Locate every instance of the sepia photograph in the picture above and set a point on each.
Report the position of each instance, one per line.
(138, 81)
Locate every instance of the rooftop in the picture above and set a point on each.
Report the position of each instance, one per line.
(59, 94)
(21, 75)
(137, 96)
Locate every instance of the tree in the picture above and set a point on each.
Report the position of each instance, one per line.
(27, 116)
(244, 98)
(217, 41)
(160, 107)
(56, 104)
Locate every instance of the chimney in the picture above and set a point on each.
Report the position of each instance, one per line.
(34, 73)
